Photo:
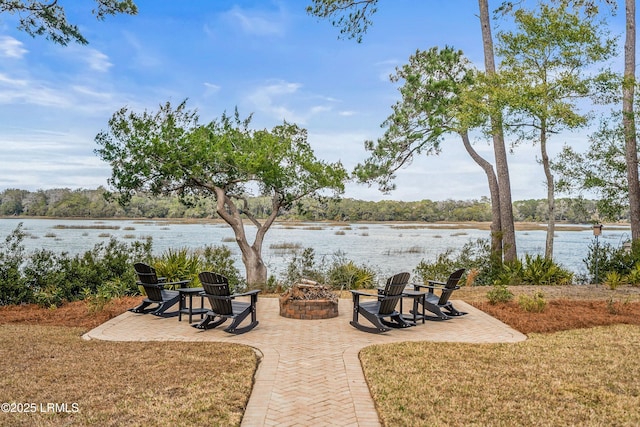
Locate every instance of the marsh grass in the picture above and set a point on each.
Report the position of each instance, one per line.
(409, 250)
(86, 227)
(122, 383)
(576, 377)
(285, 247)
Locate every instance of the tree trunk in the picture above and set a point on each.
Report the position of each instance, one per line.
(628, 119)
(496, 235)
(255, 268)
(551, 201)
(500, 152)
(256, 271)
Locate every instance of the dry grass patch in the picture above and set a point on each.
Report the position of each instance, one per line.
(122, 383)
(577, 377)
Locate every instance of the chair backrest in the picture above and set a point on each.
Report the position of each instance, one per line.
(450, 286)
(215, 284)
(393, 292)
(147, 277)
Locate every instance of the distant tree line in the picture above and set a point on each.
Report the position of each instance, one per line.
(84, 203)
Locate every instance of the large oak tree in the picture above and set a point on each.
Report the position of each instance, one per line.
(170, 152)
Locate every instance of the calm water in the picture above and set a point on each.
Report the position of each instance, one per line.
(386, 247)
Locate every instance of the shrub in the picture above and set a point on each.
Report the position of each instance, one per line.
(613, 279)
(609, 258)
(114, 288)
(346, 275)
(178, 264)
(49, 278)
(303, 266)
(538, 270)
(633, 278)
(532, 304)
(474, 256)
(14, 288)
(499, 294)
(220, 260)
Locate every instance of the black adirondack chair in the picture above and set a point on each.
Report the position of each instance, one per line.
(223, 306)
(154, 287)
(436, 303)
(377, 311)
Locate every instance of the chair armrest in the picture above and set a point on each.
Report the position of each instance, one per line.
(230, 297)
(435, 282)
(367, 294)
(429, 287)
(248, 293)
(179, 282)
(151, 285)
(439, 287)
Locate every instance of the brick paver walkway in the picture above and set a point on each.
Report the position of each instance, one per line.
(309, 373)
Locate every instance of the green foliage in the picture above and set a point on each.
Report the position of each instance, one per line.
(532, 304)
(170, 153)
(219, 259)
(499, 294)
(353, 24)
(633, 278)
(64, 202)
(340, 274)
(346, 275)
(178, 264)
(437, 270)
(14, 287)
(474, 255)
(48, 18)
(613, 280)
(538, 270)
(303, 266)
(610, 258)
(432, 106)
(105, 292)
(600, 170)
(49, 278)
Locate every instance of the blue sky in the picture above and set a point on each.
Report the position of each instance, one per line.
(264, 57)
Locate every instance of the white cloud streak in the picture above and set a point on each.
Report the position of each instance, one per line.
(257, 24)
(11, 48)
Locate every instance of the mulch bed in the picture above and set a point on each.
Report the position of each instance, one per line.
(77, 313)
(564, 314)
(559, 314)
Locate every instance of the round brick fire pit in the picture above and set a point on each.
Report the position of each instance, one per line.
(309, 300)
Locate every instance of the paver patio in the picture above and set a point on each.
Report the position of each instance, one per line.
(309, 372)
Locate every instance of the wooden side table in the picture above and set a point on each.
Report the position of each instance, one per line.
(418, 298)
(188, 293)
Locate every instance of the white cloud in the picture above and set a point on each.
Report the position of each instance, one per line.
(30, 92)
(267, 99)
(11, 48)
(210, 88)
(97, 61)
(257, 24)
